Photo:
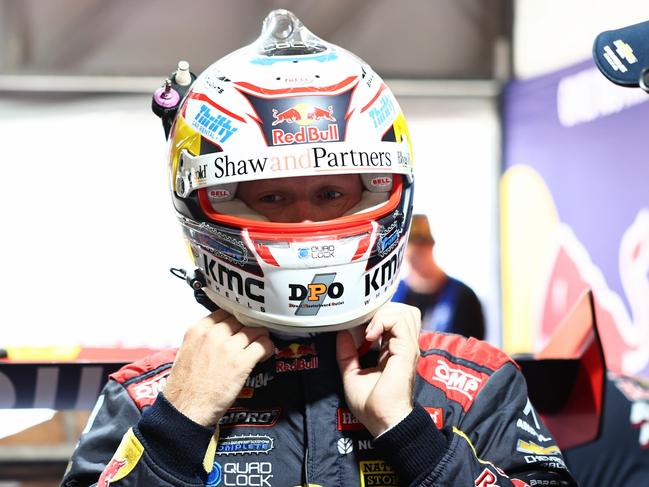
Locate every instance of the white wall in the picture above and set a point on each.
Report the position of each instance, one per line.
(88, 229)
(553, 34)
(89, 232)
(457, 164)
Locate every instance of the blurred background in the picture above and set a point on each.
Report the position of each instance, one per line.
(530, 167)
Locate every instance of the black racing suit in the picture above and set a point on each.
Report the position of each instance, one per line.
(472, 426)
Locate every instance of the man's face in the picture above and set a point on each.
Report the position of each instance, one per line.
(302, 199)
(419, 253)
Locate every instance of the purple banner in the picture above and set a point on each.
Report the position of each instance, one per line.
(577, 145)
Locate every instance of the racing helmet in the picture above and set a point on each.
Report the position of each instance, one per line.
(291, 105)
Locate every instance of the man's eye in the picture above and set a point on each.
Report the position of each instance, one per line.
(271, 198)
(331, 194)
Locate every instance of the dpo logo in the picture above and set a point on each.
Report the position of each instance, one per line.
(313, 295)
(315, 291)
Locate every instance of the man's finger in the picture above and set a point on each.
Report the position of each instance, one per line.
(215, 317)
(246, 335)
(261, 349)
(346, 353)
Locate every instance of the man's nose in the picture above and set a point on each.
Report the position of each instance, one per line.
(304, 211)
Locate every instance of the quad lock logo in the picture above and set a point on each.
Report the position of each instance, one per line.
(302, 119)
(312, 296)
(324, 251)
(249, 474)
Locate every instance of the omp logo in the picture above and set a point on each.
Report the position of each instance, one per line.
(144, 393)
(456, 379)
(151, 388)
(530, 447)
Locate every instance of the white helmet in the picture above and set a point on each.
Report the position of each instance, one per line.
(292, 105)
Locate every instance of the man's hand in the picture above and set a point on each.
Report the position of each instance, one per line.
(382, 396)
(217, 356)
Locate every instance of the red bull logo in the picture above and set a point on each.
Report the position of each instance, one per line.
(304, 116)
(109, 473)
(295, 357)
(296, 350)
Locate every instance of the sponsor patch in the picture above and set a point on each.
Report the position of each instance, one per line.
(212, 124)
(365, 445)
(259, 418)
(253, 474)
(243, 445)
(460, 383)
(295, 357)
(525, 426)
(345, 446)
(144, 393)
(312, 296)
(377, 473)
(215, 476)
(388, 239)
(302, 119)
(548, 460)
(383, 112)
(347, 421)
(254, 382)
(530, 447)
(124, 460)
(437, 414)
(486, 479)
